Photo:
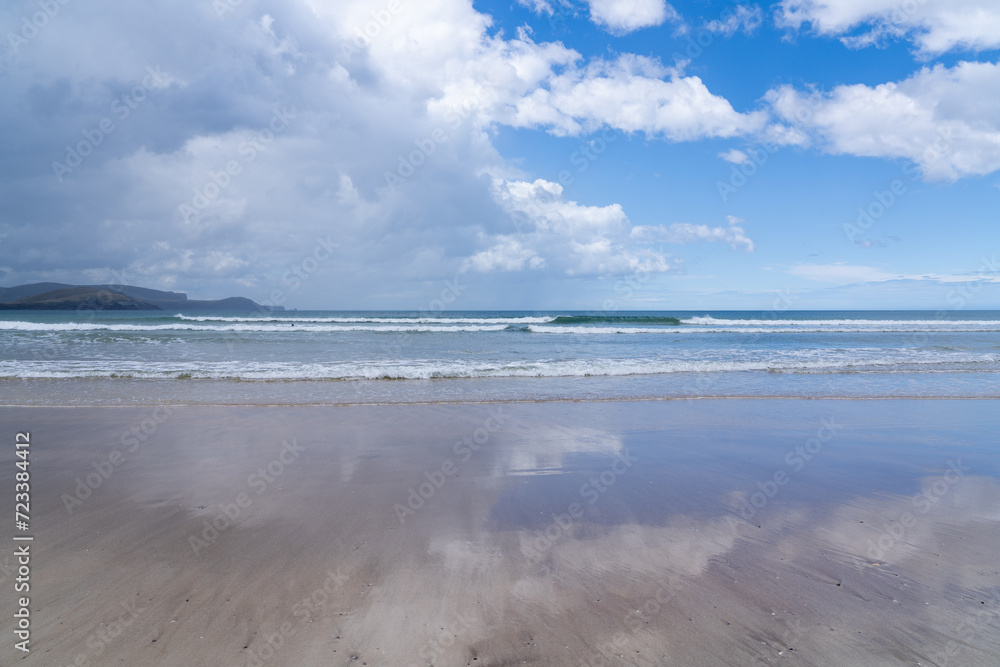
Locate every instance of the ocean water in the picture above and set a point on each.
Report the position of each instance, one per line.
(344, 357)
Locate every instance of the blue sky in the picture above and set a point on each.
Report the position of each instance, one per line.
(615, 154)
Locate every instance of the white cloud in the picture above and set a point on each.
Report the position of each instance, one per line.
(735, 156)
(685, 232)
(542, 206)
(842, 274)
(742, 17)
(945, 120)
(369, 90)
(569, 237)
(623, 16)
(520, 83)
(507, 254)
(618, 17)
(538, 6)
(935, 26)
(777, 134)
(631, 94)
(846, 274)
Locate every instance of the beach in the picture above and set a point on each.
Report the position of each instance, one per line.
(565, 333)
(657, 532)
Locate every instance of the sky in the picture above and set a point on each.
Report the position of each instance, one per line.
(528, 154)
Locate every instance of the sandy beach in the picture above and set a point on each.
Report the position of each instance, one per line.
(444, 333)
(712, 532)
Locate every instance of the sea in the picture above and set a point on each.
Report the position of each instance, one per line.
(361, 357)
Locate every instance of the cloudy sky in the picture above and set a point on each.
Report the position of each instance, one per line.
(520, 154)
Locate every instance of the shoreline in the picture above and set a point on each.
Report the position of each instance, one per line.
(487, 402)
(54, 392)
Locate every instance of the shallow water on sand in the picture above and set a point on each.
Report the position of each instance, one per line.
(725, 532)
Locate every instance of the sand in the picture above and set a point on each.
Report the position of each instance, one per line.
(721, 532)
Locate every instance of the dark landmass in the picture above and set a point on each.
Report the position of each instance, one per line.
(84, 298)
(59, 296)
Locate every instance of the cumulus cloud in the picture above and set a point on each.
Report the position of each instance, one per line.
(742, 17)
(935, 26)
(945, 120)
(521, 83)
(618, 17)
(623, 16)
(506, 254)
(385, 152)
(570, 237)
(631, 94)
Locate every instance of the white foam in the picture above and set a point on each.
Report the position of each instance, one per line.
(695, 325)
(424, 369)
(800, 327)
(243, 327)
(401, 320)
(708, 320)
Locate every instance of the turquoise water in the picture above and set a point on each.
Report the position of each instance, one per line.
(584, 354)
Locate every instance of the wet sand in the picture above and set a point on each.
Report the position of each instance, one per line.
(722, 532)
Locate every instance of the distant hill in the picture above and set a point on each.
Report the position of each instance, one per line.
(59, 296)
